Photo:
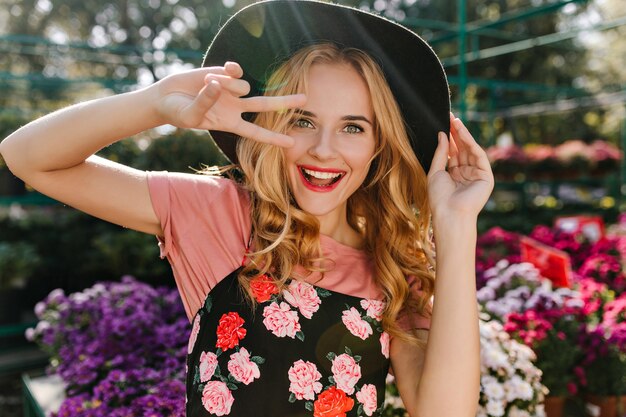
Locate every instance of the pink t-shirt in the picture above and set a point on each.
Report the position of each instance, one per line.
(206, 226)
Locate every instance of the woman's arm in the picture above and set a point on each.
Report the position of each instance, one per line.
(448, 383)
(55, 153)
(449, 368)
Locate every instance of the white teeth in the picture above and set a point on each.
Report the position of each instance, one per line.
(322, 175)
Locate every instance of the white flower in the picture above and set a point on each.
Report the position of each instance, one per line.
(516, 412)
(517, 388)
(495, 408)
(494, 390)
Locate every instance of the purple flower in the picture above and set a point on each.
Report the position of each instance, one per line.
(120, 348)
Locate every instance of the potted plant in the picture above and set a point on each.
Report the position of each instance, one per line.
(18, 260)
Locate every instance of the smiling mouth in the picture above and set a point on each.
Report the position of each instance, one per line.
(319, 178)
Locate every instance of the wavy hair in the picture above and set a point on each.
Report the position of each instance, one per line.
(285, 236)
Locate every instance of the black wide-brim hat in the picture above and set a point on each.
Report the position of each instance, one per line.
(268, 32)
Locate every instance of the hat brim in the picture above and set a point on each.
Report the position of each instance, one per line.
(269, 32)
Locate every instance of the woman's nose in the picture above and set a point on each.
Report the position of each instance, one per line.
(323, 146)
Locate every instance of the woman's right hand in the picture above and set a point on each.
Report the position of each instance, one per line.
(211, 98)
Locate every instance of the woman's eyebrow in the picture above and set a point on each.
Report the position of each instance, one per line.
(353, 118)
(348, 118)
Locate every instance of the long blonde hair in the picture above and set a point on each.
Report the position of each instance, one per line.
(284, 236)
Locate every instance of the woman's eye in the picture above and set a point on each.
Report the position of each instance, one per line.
(303, 123)
(353, 129)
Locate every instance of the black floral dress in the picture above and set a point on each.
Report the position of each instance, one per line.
(306, 352)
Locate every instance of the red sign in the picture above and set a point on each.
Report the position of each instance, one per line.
(553, 264)
(592, 227)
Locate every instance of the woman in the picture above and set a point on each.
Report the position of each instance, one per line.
(311, 279)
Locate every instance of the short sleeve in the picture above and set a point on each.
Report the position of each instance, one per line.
(206, 228)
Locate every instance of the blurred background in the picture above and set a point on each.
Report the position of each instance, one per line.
(540, 83)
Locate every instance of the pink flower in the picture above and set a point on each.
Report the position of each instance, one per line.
(242, 368)
(357, 326)
(304, 378)
(208, 363)
(303, 296)
(280, 320)
(194, 334)
(384, 344)
(367, 397)
(374, 308)
(346, 373)
(217, 398)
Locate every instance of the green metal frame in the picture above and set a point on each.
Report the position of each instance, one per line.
(466, 34)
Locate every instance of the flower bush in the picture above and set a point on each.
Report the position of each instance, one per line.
(535, 314)
(572, 158)
(120, 348)
(577, 246)
(602, 371)
(606, 269)
(552, 335)
(510, 383)
(516, 288)
(492, 246)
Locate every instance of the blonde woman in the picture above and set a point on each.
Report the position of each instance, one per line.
(311, 279)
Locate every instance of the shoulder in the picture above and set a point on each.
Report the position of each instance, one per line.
(199, 188)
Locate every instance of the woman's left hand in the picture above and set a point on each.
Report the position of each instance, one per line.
(467, 184)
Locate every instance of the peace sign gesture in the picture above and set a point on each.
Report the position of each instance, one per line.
(466, 185)
(211, 98)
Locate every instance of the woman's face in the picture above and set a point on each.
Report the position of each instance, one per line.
(334, 142)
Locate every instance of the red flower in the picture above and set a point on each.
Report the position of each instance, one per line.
(263, 287)
(332, 403)
(230, 331)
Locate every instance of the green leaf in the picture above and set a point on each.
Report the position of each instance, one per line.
(331, 380)
(359, 410)
(300, 335)
(348, 351)
(201, 387)
(322, 292)
(292, 398)
(258, 360)
(357, 358)
(208, 304)
(232, 379)
(331, 356)
(218, 352)
(309, 405)
(196, 376)
(218, 371)
(231, 386)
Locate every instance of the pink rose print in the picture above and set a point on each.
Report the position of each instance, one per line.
(242, 368)
(208, 363)
(367, 397)
(357, 326)
(216, 398)
(194, 334)
(302, 296)
(374, 308)
(280, 320)
(346, 373)
(304, 378)
(384, 344)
